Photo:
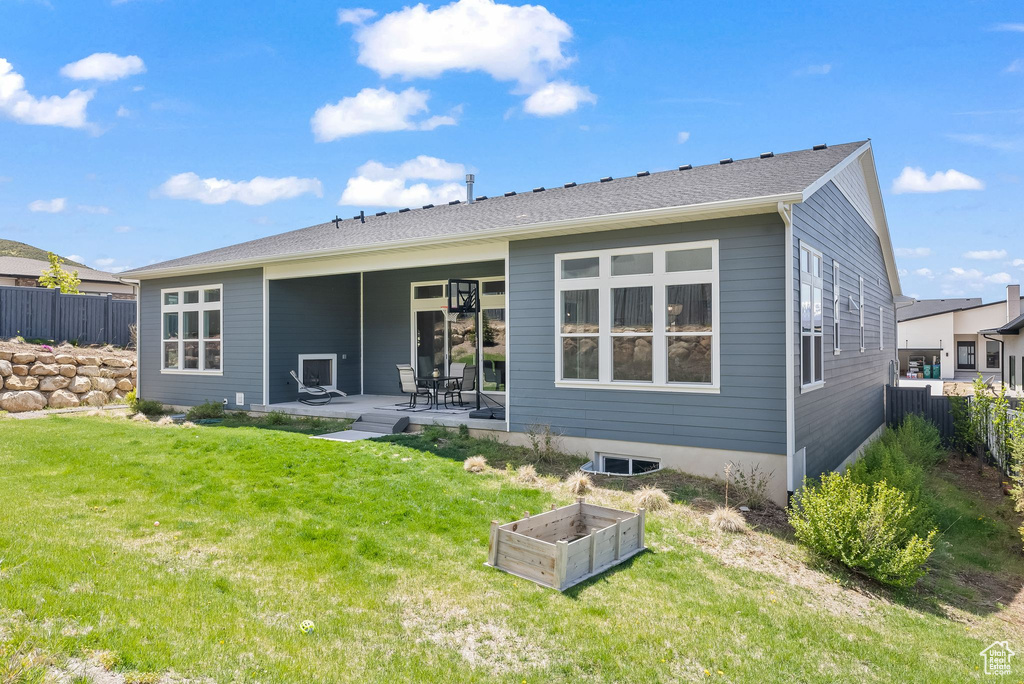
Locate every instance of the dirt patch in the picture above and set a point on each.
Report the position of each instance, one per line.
(487, 644)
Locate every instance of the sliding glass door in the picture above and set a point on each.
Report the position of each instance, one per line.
(430, 342)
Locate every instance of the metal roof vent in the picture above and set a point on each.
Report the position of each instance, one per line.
(727, 160)
(428, 206)
(540, 189)
(767, 155)
(606, 179)
(643, 173)
(380, 213)
(480, 198)
(820, 147)
(570, 185)
(453, 202)
(510, 193)
(686, 167)
(470, 179)
(402, 211)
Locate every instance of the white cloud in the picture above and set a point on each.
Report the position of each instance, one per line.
(960, 280)
(258, 191)
(521, 44)
(103, 263)
(913, 252)
(93, 209)
(557, 98)
(18, 104)
(104, 66)
(107, 264)
(1017, 28)
(374, 110)
(1018, 262)
(958, 273)
(123, 229)
(53, 206)
(123, 112)
(1001, 278)
(377, 185)
(683, 136)
(814, 70)
(986, 254)
(915, 180)
(992, 142)
(75, 257)
(924, 272)
(356, 15)
(1014, 67)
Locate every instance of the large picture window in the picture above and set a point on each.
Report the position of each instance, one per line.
(191, 338)
(639, 318)
(811, 337)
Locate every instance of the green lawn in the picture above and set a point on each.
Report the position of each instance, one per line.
(382, 545)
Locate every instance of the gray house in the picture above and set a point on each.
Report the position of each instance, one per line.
(740, 311)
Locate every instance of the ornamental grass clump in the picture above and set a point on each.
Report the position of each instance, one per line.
(727, 519)
(475, 464)
(526, 474)
(869, 528)
(579, 483)
(651, 498)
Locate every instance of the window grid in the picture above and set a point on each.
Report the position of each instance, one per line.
(191, 331)
(812, 370)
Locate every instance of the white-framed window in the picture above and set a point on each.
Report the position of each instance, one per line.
(190, 330)
(619, 464)
(837, 342)
(860, 310)
(881, 328)
(811, 314)
(639, 318)
(319, 370)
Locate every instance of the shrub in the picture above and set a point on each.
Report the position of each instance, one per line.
(206, 411)
(526, 474)
(274, 418)
(920, 441)
(132, 400)
(866, 527)
(463, 431)
(752, 482)
(435, 433)
(579, 483)
(651, 498)
(727, 519)
(148, 407)
(475, 464)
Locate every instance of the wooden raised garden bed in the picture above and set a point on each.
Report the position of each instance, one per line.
(567, 545)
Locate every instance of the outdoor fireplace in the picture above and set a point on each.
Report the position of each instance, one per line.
(319, 370)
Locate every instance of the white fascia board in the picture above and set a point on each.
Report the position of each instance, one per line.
(691, 212)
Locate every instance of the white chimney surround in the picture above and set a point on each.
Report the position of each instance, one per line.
(1012, 302)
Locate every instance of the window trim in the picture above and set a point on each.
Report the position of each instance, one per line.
(180, 308)
(319, 357)
(860, 309)
(659, 280)
(881, 328)
(837, 331)
(597, 464)
(813, 281)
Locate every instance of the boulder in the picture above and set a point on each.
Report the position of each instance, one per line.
(6, 356)
(44, 369)
(89, 371)
(19, 369)
(16, 402)
(45, 357)
(63, 399)
(125, 385)
(116, 396)
(23, 357)
(80, 384)
(89, 360)
(68, 370)
(103, 384)
(53, 383)
(63, 358)
(94, 398)
(117, 362)
(21, 382)
(117, 373)
(5, 368)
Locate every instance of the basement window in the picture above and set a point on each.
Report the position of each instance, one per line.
(617, 464)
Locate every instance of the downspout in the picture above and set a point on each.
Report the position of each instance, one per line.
(786, 212)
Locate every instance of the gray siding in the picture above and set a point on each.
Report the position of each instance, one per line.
(831, 422)
(313, 316)
(242, 329)
(387, 317)
(750, 412)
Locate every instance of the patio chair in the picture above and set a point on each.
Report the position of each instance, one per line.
(455, 370)
(467, 383)
(315, 394)
(407, 383)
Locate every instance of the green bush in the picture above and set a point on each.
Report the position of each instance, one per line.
(206, 411)
(866, 527)
(132, 399)
(148, 407)
(275, 418)
(920, 441)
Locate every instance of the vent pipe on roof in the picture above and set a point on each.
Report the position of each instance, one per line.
(470, 179)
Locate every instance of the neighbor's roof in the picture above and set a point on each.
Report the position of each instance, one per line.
(931, 307)
(33, 268)
(973, 303)
(758, 177)
(1011, 328)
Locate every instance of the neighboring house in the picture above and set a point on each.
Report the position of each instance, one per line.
(22, 272)
(957, 335)
(684, 318)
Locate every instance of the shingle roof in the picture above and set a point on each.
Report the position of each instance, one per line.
(790, 172)
(930, 307)
(972, 303)
(33, 268)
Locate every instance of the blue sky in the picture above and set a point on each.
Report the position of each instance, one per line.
(118, 118)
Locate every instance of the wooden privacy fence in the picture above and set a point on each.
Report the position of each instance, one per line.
(900, 402)
(39, 313)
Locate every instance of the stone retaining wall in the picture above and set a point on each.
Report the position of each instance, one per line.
(33, 380)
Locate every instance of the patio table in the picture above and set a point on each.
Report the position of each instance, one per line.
(435, 382)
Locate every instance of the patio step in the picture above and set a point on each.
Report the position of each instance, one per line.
(383, 423)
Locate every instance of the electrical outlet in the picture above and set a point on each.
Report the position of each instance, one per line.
(344, 356)
(224, 401)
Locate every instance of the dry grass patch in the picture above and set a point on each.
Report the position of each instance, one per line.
(651, 499)
(727, 519)
(579, 483)
(475, 464)
(526, 474)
